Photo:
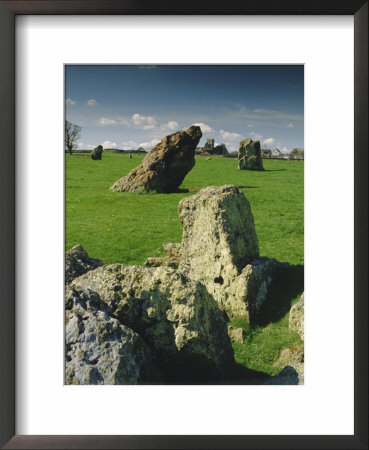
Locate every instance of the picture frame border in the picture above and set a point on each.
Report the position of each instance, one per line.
(8, 12)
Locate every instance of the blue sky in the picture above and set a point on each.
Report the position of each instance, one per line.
(123, 107)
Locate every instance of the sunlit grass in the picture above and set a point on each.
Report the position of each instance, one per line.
(128, 228)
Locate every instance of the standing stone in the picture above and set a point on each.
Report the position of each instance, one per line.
(218, 243)
(165, 166)
(249, 155)
(96, 153)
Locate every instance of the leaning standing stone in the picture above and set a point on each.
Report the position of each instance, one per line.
(249, 155)
(165, 166)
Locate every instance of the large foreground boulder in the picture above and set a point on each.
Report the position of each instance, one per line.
(165, 166)
(249, 155)
(97, 152)
(175, 316)
(220, 249)
(77, 262)
(99, 349)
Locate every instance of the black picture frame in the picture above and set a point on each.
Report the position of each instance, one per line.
(8, 11)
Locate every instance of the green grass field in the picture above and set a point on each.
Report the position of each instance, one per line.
(128, 228)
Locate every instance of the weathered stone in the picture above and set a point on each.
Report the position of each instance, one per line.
(287, 376)
(97, 152)
(165, 166)
(292, 357)
(249, 290)
(77, 262)
(220, 249)
(100, 350)
(172, 248)
(296, 320)
(249, 155)
(175, 316)
(235, 333)
(168, 261)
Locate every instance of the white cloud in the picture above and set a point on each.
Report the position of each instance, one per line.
(204, 128)
(149, 145)
(170, 126)
(106, 121)
(109, 144)
(269, 141)
(69, 101)
(230, 147)
(250, 125)
(91, 102)
(256, 136)
(129, 145)
(284, 150)
(290, 125)
(229, 136)
(145, 122)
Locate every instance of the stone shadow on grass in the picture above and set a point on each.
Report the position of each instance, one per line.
(286, 285)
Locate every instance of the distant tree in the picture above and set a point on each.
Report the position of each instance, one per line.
(71, 136)
(297, 151)
(141, 149)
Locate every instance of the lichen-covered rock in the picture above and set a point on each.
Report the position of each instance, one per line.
(236, 333)
(249, 155)
(296, 320)
(249, 289)
(172, 249)
(220, 249)
(77, 262)
(97, 152)
(292, 357)
(165, 166)
(168, 261)
(100, 350)
(175, 316)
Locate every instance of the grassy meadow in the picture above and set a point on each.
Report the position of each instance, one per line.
(128, 228)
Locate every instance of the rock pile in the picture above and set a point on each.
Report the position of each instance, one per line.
(97, 152)
(165, 166)
(159, 310)
(249, 155)
(165, 323)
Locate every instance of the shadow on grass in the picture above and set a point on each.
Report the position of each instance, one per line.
(274, 170)
(240, 375)
(286, 285)
(248, 187)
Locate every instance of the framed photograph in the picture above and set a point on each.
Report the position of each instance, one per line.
(162, 147)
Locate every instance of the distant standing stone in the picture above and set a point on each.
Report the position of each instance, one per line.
(96, 153)
(249, 155)
(165, 166)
